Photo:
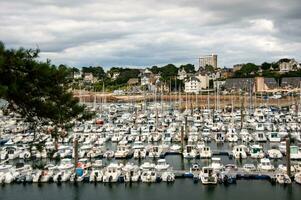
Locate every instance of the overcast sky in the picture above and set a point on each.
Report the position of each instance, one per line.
(150, 32)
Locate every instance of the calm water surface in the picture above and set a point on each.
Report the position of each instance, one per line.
(181, 189)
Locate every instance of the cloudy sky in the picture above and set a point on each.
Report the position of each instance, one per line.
(153, 32)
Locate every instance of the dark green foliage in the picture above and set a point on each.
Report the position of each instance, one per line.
(166, 72)
(247, 70)
(96, 71)
(189, 68)
(265, 66)
(209, 68)
(155, 69)
(37, 90)
(125, 75)
(275, 66)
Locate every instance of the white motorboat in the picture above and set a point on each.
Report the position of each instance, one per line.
(46, 175)
(205, 152)
(4, 171)
(249, 167)
(62, 176)
(274, 137)
(122, 151)
(298, 178)
(216, 164)
(219, 137)
(148, 176)
(246, 137)
(295, 153)
(265, 165)
(282, 178)
(155, 151)
(131, 172)
(208, 176)
(240, 151)
(231, 135)
(256, 151)
(162, 165)
(112, 173)
(275, 154)
(189, 151)
(260, 137)
(36, 175)
(96, 175)
(168, 176)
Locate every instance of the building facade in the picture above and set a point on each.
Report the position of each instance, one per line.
(286, 65)
(182, 74)
(208, 60)
(192, 85)
(204, 80)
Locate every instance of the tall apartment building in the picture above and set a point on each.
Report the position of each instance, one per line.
(208, 60)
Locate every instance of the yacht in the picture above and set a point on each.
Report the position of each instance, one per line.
(13, 152)
(155, 151)
(295, 153)
(275, 154)
(162, 165)
(148, 176)
(249, 167)
(168, 176)
(240, 151)
(131, 172)
(65, 170)
(219, 137)
(147, 166)
(265, 165)
(96, 175)
(274, 137)
(189, 151)
(216, 164)
(205, 152)
(5, 170)
(282, 178)
(259, 137)
(297, 178)
(256, 151)
(231, 135)
(123, 151)
(139, 150)
(208, 176)
(112, 173)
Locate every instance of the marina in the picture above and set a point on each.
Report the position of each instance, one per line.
(156, 142)
(150, 100)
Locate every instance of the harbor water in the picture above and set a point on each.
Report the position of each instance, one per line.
(180, 189)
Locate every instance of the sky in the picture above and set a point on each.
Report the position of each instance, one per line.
(143, 33)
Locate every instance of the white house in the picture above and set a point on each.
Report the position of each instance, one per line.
(192, 85)
(147, 77)
(182, 74)
(204, 80)
(145, 80)
(77, 75)
(286, 65)
(88, 77)
(115, 75)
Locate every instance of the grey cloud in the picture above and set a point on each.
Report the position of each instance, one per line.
(149, 32)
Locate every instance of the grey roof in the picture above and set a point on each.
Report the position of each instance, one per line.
(239, 83)
(291, 82)
(271, 83)
(192, 78)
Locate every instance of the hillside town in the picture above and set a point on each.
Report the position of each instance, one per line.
(282, 76)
